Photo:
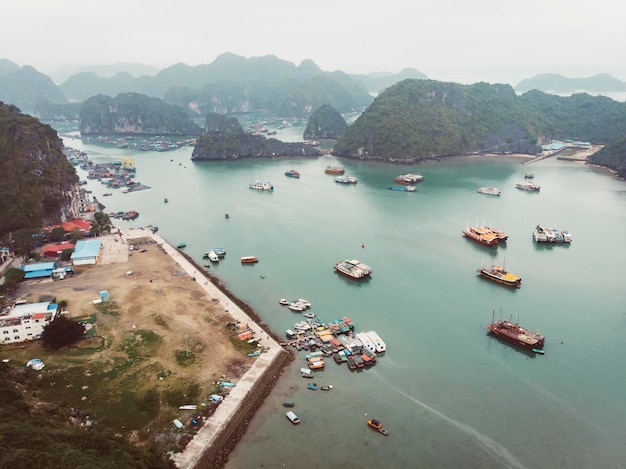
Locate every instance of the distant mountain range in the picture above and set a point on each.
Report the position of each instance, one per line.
(553, 82)
(229, 84)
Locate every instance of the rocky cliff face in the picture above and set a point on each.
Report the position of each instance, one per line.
(133, 113)
(232, 146)
(39, 186)
(325, 122)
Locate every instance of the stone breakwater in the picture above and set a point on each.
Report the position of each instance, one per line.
(211, 446)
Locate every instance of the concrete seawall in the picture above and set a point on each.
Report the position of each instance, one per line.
(210, 447)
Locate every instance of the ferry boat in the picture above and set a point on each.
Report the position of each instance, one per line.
(501, 275)
(366, 341)
(346, 179)
(262, 186)
(481, 235)
(381, 347)
(353, 269)
(292, 173)
(489, 190)
(516, 335)
(528, 186)
(543, 234)
(404, 188)
(249, 259)
(335, 170)
(408, 178)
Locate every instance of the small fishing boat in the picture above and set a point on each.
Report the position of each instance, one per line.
(219, 251)
(283, 301)
(309, 315)
(312, 386)
(403, 188)
(293, 418)
(213, 257)
(226, 215)
(326, 387)
(295, 307)
(292, 173)
(249, 259)
(181, 245)
(165, 201)
(377, 425)
(288, 404)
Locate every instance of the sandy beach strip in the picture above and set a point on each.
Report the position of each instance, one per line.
(211, 445)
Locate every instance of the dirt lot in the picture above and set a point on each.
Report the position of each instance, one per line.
(160, 331)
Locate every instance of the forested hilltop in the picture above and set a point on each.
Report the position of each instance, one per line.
(39, 186)
(225, 139)
(417, 119)
(134, 113)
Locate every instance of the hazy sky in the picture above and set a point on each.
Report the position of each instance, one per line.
(451, 40)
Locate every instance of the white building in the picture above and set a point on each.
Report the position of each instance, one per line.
(24, 322)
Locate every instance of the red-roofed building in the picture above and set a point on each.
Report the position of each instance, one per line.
(77, 224)
(55, 250)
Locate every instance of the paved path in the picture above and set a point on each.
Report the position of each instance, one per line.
(229, 407)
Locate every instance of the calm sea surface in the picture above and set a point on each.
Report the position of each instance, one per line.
(450, 395)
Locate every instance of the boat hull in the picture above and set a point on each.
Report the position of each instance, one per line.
(515, 283)
(351, 276)
(516, 335)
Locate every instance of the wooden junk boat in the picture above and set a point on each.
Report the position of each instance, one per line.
(517, 335)
(501, 275)
(376, 425)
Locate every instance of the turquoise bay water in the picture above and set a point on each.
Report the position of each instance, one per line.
(450, 395)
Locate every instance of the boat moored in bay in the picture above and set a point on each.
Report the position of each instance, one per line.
(489, 190)
(292, 173)
(409, 188)
(353, 269)
(408, 179)
(501, 275)
(482, 235)
(346, 179)
(528, 186)
(262, 186)
(516, 334)
(543, 234)
(334, 170)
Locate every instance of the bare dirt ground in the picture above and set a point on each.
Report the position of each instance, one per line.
(151, 293)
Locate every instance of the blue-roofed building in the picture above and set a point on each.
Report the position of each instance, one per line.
(86, 252)
(40, 270)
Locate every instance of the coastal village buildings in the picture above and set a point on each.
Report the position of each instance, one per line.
(22, 322)
(86, 252)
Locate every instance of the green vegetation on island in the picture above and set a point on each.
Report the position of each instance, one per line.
(40, 186)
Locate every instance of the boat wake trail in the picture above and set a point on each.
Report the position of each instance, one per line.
(490, 446)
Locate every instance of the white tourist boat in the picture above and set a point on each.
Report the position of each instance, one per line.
(489, 190)
(262, 186)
